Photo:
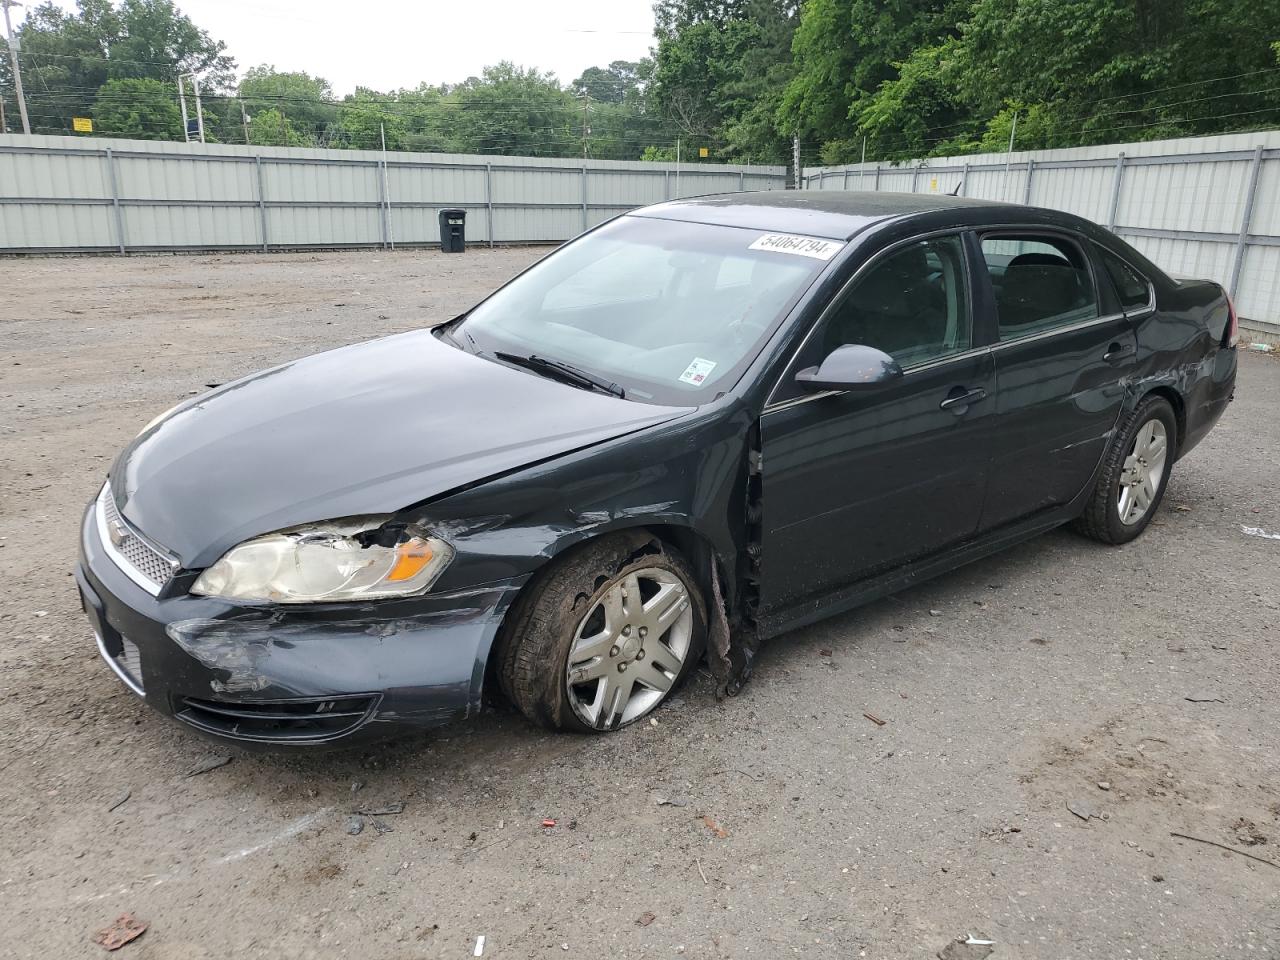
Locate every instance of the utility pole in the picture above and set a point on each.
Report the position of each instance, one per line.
(182, 99)
(1007, 156)
(13, 60)
(585, 129)
(244, 120)
(795, 158)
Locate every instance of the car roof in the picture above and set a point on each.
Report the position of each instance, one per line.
(834, 214)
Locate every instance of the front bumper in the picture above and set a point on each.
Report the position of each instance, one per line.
(277, 676)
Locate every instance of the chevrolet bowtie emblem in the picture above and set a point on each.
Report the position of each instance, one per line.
(117, 532)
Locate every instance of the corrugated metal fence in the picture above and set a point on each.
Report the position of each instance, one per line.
(1204, 207)
(63, 194)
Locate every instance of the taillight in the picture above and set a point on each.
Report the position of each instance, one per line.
(1233, 324)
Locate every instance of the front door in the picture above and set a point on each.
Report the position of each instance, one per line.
(858, 482)
(1060, 371)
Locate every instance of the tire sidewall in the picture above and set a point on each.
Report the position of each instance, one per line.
(571, 592)
(1153, 408)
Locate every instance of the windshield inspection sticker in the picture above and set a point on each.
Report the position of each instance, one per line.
(800, 246)
(697, 371)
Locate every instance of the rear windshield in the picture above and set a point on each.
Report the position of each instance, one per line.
(672, 312)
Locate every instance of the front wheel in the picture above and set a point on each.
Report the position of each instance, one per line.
(1134, 475)
(603, 637)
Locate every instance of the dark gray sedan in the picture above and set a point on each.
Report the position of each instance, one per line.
(699, 425)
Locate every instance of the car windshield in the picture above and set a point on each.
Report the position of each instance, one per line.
(671, 312)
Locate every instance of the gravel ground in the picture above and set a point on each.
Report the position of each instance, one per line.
(1057, 673)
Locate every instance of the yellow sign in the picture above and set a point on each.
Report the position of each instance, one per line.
(933, 184)
(82, 125)
(704, 152)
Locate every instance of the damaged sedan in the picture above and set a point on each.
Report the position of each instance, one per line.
(699, 425)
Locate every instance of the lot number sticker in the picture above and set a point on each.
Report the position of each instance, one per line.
(797, 245)
(697, 371)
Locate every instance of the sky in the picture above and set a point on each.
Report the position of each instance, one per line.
(387, 44)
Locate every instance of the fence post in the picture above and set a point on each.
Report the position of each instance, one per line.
(742, 181)
(1026, 193)
(666, 184)
(262, 202)
(1243, 241)
(846, 178)
(488, 201)
(115, 199)
(876, 186)
(1115, 191)
(915, 171)
(382, 202)
(964, 181)
(584, 197)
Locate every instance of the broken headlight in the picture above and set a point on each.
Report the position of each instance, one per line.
(344, 560)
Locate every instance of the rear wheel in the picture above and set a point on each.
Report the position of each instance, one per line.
(1134, 474)
(603, 637)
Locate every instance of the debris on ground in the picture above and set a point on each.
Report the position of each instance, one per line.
(1223, 846)
(1204, 698)
(119, 802)
(386, 810)
(935, 613)
(1104, 785)
(1259, 532)
(1182, 508)
(381, 827)
(207, 764)
(824, 653)
(126, 929)
(967, 948)
(1082, 809)
(715, 828)
(548, 823)
(1247, 833)
(355, 824)
(874, 719)
(671, 802)
(479, 950)
(646, 918)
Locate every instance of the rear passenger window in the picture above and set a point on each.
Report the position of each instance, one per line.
(1131, 287)
(1040, 283)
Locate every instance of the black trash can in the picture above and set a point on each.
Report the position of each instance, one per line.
(453, 231)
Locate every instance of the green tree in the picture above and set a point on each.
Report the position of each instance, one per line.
(271, 128)
(305, 100)
(514, 110)
(720, 71)
(143, 109)
(67, 57)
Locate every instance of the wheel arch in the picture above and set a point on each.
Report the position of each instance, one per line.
(1175, 400)
(655, 535)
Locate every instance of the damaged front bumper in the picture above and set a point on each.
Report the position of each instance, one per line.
(303, 676)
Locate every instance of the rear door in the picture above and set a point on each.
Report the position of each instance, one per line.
(858, 482)
(1062, 353)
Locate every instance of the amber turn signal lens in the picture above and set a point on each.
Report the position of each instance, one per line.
(411, 557)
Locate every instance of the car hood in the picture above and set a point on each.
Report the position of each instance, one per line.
(366, 429)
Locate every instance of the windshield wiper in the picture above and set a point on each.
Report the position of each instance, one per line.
(565, 372)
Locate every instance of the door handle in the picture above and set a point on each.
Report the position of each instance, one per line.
(1118, 351)
(959, 399)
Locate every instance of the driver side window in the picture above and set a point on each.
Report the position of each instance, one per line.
(912, 304)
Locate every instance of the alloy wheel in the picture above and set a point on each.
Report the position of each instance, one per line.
(629, 649)
(1143, 471)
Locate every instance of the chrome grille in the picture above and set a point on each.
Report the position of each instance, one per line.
(145, 564)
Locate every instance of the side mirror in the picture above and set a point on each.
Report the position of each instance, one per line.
(851, 367)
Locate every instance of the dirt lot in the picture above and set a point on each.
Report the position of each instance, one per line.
(1058, 673)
